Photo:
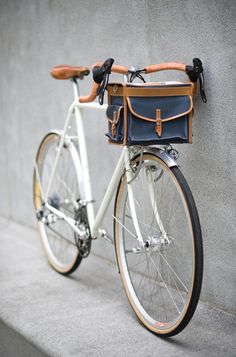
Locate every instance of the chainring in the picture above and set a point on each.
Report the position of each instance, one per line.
(83, 243)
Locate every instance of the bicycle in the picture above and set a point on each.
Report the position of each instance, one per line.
(157, 233)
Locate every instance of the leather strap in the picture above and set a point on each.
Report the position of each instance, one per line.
(162, 91)
(158, 127)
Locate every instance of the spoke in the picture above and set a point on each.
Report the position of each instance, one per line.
(172, 214)
(173, 271)
(175, 258)
(125, 228)
(130, 217)
(155, 285)
(60, 179)
(139, 262)
(177, 288)
(165, 285)
(143, 276)
(150, 287)
(67, 188)
(134, 251)
(146, 225)
(132, 267)
(61, 236)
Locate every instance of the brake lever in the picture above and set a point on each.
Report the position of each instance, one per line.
(195, 72)
(102, 88)
(101, 76)
(202, 90)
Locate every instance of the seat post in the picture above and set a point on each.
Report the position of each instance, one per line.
(75, 87)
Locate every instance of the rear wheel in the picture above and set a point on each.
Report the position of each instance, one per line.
(162, 278)
(58, 238)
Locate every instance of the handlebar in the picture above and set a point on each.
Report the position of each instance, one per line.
(194, 73)
(165, 66)
(115, 68)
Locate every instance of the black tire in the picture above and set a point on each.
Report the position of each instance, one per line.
(59, 231)
(130, 273)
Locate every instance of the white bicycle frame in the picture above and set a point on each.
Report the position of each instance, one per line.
(83, 175)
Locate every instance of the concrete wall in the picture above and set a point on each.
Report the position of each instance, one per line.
(35, 35)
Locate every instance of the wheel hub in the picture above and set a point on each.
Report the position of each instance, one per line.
(158, 243)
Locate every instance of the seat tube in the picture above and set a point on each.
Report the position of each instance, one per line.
(131, 196)
(84, 164)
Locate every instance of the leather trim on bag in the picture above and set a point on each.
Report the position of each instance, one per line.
(157, 92)
(158, 127)
(116, 117)
(145, 90)
(163, 120)
(190, 128)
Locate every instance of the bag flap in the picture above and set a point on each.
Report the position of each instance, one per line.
(113, 113)
(156, 108)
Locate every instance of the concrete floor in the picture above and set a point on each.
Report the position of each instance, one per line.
(43, 313)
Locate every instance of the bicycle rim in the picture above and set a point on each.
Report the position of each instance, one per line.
(58, 238)
(162, 280)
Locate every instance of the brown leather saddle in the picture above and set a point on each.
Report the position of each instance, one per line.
(64, 71)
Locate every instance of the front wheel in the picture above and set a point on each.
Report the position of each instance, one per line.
(162, 277)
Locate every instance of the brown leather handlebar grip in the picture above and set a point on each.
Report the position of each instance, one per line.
(93, 93)
(120, 69)
(115, 68)
(166, 66)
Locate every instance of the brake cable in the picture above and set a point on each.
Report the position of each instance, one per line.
(136, 74)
